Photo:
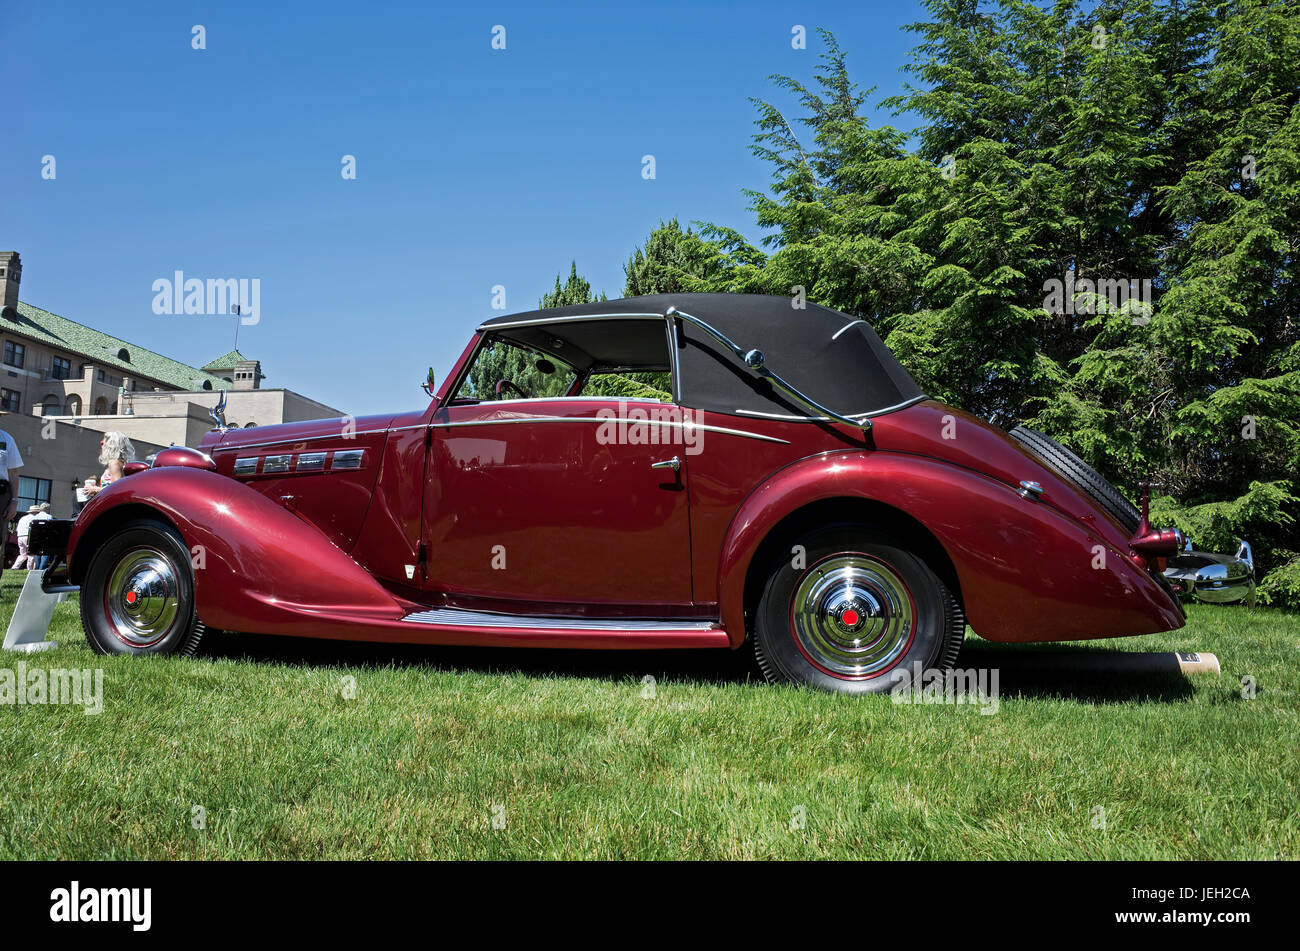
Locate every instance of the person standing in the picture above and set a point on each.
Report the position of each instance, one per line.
(10, 462)
(25, 560)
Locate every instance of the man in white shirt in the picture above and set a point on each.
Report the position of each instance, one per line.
(25, 560)
(10, 462)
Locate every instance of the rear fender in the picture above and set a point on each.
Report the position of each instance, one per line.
(1027, 571)
(257, 567)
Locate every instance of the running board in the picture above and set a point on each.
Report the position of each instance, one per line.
(531, 630)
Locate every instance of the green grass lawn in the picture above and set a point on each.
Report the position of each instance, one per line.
(570, 755)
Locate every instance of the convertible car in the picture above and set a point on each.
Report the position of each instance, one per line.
(671, 471)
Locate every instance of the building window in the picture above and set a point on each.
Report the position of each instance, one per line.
(72, 406)
(61, 368)
(11, 401)
(101, 406)
(50, 406)
(14, 353)
(32, 492)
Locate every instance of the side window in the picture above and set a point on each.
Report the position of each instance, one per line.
(631, 384)
(526, 373)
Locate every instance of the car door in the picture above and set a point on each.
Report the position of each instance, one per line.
(560, 501)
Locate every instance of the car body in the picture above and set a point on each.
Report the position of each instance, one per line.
(1213, 578)
(633, 479)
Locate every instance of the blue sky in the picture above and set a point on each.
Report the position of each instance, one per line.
(475, 167)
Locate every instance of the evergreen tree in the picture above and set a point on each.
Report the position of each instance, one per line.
(1081, 147)
(574, 290)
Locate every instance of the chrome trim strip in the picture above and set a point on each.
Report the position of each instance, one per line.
(305, 439)
(536, 321)
(590, 399)
(310, 462)
(836, 335)
(347, 459)
(821, 419)
(246, 465)
(463, 618)
(316, 438)
(740, 432)
(276, 463)
(614, 419)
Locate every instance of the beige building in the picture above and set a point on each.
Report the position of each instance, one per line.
(63, 384)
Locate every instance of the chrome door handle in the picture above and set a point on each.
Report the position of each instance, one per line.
(674, 463)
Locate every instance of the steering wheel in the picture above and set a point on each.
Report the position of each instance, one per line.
(504, 384)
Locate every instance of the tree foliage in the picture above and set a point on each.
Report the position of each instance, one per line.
(1074, 147)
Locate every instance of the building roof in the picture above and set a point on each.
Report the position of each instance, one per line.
(101, 349)
(225, 362)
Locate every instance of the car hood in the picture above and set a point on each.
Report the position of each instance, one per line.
(294, 432)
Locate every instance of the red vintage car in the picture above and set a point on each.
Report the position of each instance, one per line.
(681, 470)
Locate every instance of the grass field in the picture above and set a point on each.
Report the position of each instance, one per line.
(575, 759)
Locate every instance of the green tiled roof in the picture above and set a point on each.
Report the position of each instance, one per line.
(226, 362)
(100, 349)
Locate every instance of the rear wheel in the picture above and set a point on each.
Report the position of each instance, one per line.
(138, 593)
(850, 610)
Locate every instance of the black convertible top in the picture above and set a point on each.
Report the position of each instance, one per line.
(837, 360)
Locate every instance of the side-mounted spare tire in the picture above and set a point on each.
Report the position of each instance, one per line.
(1069, 466)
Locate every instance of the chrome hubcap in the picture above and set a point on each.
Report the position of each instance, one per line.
(143, 597)
(852, 616)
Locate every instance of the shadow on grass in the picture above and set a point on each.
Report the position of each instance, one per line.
(697, 666)
(1068, 672)
(1022, 670)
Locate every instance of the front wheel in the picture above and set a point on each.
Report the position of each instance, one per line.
(850, 610)
(138, 594)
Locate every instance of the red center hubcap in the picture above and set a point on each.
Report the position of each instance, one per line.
(849, 617)
(130, 597)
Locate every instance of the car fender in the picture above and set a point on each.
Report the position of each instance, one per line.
(258, 567)
(1027, 571)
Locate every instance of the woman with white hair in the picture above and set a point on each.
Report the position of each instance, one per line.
(115, 451)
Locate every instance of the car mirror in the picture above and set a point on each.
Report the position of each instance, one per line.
(430, 383)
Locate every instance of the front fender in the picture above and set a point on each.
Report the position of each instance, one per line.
(257, 567)
(1027, 571)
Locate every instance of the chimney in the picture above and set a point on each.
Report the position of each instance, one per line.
(248, 375)
(11, 272)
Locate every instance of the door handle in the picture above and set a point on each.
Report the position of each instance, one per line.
(674, 463)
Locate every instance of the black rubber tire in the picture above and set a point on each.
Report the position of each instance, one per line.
(1066, 464)
(939, 624)
(184, 633)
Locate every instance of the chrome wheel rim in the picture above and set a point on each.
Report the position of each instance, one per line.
(852, 616)
(143, 597)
